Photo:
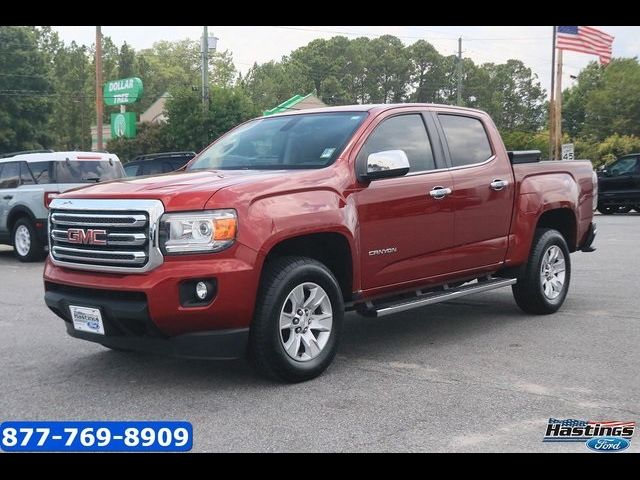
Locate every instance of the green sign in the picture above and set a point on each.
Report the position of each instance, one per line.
(123, 125)
(123, 91)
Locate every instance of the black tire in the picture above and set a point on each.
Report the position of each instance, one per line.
(606, 210)
(281, 276)
(35, 251)
(528, 292)
(624, 209)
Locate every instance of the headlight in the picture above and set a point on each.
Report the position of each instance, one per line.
(193, 232)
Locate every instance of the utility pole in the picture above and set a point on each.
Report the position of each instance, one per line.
(558, 109)
(459, 72)
(552, 102)
(205, 69)
(99, 99)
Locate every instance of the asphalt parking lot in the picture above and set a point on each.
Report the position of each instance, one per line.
(469, 375)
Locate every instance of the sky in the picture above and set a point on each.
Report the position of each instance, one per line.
(249, 44)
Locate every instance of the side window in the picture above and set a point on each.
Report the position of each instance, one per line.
(151, 168)
(404, 132)
(131, 170)
(41, 172)
(167, 167)
(624, 166)
(10, 175)
(467, 139)
(25, 175)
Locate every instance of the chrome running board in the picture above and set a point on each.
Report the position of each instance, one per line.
(429, 298)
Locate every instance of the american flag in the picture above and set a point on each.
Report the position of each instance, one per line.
(585, 40)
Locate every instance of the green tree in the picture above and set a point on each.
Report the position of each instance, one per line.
(150, 138)
(25, 90)
(614, 107)
(70, 123)
(192, 130)
(425, 71)
(126, 61)
(574, 100)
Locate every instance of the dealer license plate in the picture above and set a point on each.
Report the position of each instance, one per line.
(87, 319)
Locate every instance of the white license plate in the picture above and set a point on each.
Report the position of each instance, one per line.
(87, 319)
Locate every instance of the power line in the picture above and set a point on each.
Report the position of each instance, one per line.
(362, 34)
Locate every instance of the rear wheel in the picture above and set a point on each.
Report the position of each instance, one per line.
(26, 246)
(542, 287)
(298, 320)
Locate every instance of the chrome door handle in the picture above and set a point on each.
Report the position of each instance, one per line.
(440, 192)
(498, 184)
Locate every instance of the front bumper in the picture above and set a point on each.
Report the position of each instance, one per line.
(128, 326)
(235, 270)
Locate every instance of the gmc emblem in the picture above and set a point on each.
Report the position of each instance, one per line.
(86, 237)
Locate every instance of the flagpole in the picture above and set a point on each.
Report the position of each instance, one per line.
(552, 106)
(558, 112)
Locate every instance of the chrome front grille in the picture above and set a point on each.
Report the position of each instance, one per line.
(105, 235)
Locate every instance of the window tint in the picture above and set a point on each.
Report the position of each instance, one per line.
(624, 166)
(41, 172)
(131, 170)
(467, 139)
(10, 175)
(151, 168)
(25, 175)
(167, 167)
(405, 132)
(79, 171)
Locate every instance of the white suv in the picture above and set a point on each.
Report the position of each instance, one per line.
(28, 183)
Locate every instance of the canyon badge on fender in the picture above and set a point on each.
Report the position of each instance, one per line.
(383, 251)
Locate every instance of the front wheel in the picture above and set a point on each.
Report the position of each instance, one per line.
(542, 287)
(26, 246)
(298, 320)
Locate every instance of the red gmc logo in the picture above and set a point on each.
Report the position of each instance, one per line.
(86, 237)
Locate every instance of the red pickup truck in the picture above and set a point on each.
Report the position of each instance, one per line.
(286, 222)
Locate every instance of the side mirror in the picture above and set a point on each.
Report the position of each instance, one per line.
(386, 164)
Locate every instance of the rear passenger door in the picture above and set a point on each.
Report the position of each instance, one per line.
(483, 191)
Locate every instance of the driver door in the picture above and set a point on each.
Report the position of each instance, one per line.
(405, 232)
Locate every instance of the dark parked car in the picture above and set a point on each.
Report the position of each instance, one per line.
(619, 185)
(157, 163)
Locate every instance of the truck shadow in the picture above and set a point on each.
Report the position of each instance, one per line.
(371, 338)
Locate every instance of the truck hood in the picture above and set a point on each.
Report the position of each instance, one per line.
(177, 191)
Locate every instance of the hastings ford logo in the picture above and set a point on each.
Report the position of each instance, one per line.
(599, 436)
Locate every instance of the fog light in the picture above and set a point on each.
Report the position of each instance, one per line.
(201, 290)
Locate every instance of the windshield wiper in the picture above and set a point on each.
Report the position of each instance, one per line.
(91, 179)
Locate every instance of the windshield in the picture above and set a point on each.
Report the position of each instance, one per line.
(295, 141)
(81, 171)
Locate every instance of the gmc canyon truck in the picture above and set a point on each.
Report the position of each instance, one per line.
(286, 222)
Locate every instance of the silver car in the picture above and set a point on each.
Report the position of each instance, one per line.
(29, 182)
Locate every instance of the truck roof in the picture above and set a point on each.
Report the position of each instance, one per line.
(372, 107)
(59, 156)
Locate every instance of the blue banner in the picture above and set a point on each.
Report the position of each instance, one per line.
(96, 436)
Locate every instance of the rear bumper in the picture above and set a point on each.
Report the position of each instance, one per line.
(128, 326)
